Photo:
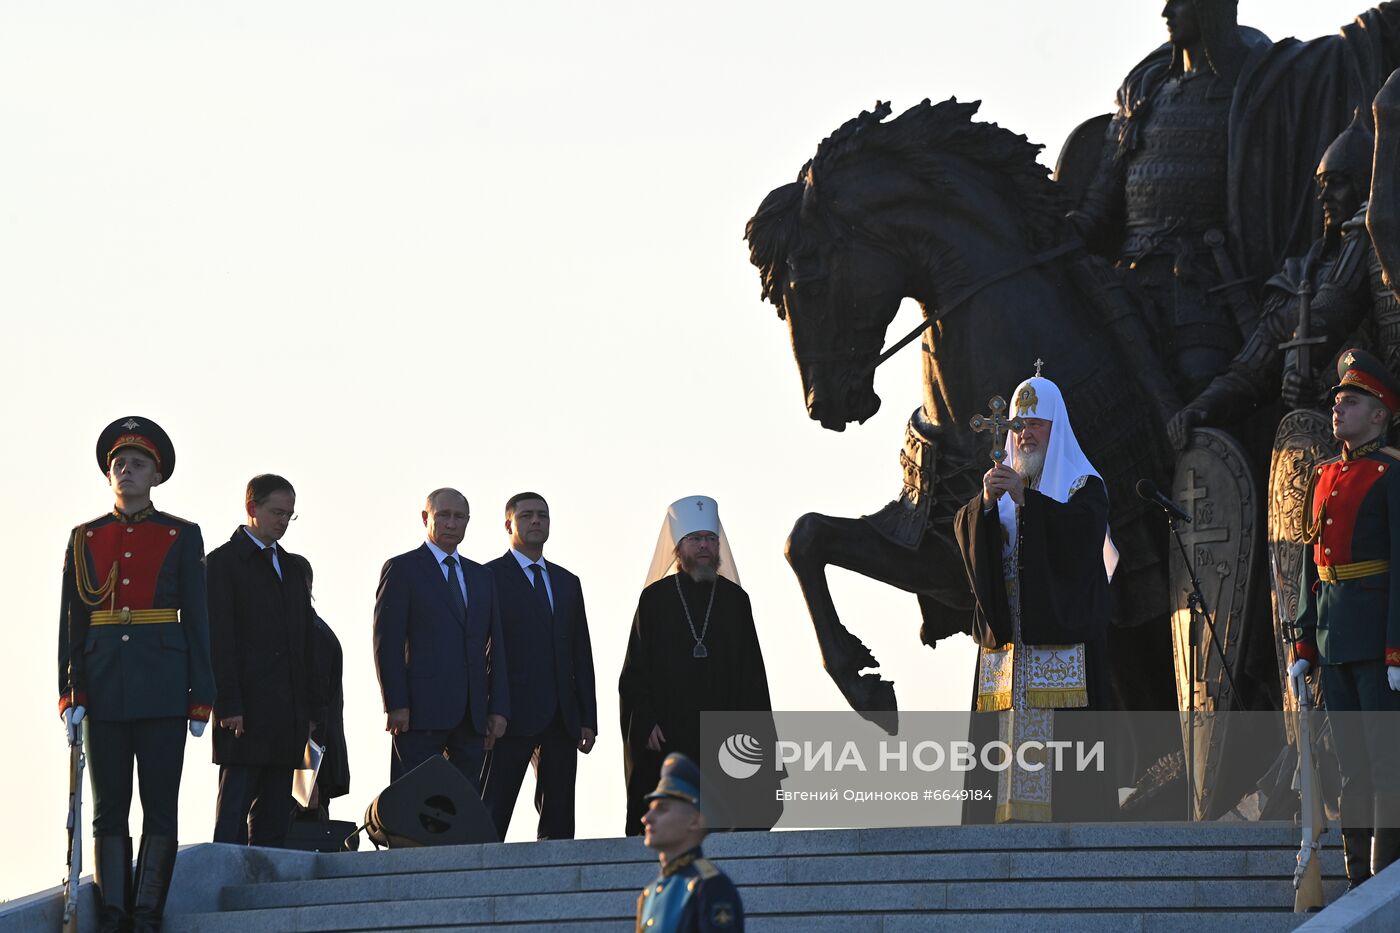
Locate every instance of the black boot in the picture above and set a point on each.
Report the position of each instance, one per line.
(112, 876)
(1387, 830)
(154, 865)
(1356, 847)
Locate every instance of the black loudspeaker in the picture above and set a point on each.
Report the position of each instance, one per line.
(432, 805)
(318, 836)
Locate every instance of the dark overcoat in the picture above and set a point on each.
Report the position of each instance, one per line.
(263, 644)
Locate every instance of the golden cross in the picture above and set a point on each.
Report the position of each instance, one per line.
(998, 424)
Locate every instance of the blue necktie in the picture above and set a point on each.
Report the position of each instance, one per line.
(454, 583)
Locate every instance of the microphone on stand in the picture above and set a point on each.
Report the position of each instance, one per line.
(1148, 492)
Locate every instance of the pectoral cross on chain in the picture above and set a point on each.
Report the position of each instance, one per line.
(998, 424)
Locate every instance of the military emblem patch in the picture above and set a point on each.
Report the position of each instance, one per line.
(722, 915)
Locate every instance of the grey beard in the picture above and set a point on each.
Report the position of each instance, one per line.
(1029, 466)
(701, 573)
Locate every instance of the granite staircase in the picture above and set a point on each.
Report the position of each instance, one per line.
(1082, 878)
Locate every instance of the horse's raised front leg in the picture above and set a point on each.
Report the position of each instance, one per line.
(818, 541)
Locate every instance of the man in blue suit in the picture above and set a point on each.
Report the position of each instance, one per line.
(438, 648)
(555, 709)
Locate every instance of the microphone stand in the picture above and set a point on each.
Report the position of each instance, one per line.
(1196, 603)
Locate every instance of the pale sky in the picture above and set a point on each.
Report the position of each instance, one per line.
(380, 248)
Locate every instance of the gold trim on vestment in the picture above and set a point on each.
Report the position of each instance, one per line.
(1023, 810)
(1056, 678)
(994, 679)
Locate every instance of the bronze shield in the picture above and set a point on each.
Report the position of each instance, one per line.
(1213, 484)
(1303, 440)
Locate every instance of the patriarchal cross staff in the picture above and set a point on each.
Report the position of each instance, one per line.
(998, 424)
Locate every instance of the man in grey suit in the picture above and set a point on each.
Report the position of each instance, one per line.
(555, 707)
(438, 648)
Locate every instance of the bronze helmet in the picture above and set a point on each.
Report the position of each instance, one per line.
(1352, 152)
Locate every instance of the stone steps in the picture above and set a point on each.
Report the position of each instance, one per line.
(1108, 877)
(1218, 877)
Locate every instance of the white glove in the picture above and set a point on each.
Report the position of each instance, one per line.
(72, 719)
(197, 727)
(1297, 672)
(1393, 675)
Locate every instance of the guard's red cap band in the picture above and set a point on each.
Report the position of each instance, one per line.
(1371, 386)
(140, 442)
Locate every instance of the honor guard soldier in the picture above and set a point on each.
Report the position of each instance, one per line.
(133, 667)
(1349, 611)
(691, 895)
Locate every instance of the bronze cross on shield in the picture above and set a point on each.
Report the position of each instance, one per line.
(998, 424)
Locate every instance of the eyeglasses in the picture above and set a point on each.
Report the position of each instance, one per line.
(283, 515)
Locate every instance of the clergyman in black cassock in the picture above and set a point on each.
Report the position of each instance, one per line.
(693, 648)
(1038, 559)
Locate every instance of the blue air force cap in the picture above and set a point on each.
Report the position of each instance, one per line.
(680, 780)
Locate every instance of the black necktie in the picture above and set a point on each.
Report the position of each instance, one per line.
(541, 593)
(454, 583)
(271, 553)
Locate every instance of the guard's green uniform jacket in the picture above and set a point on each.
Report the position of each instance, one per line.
(133, 635)
(1349, 599)
(691, 896)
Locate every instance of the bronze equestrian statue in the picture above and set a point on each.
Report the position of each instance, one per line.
(974, 236)
(959, 216)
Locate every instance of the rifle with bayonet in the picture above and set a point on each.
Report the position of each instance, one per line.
(76, 763)
(1307, 874)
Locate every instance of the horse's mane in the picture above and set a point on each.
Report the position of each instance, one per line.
(917, 139)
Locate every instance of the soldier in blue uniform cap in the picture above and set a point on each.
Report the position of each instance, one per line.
(691, 895)
(133, 667)
(1349, 610)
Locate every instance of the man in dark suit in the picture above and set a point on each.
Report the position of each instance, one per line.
(133, 667)
(263, 646)
(438, 648)
(554, 707)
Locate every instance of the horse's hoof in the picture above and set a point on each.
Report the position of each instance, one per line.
(887, 720)
(873, 698)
